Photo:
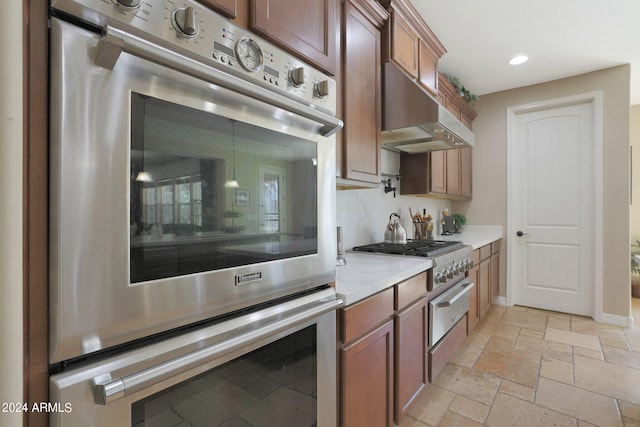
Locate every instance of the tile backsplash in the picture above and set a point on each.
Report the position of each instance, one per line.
(364, 214)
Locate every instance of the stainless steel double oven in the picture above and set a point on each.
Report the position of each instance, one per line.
(192, 230)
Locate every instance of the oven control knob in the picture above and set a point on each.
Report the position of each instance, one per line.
(129, 4)
(450, 273)
(184, 21)
(321, 88)
(296, 76)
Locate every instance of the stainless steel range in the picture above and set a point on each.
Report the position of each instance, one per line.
(451, 261)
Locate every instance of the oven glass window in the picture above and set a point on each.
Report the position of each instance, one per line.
(208, 193)
(274, 386)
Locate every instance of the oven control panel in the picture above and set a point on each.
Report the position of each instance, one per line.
(452, 270)
(201, 34)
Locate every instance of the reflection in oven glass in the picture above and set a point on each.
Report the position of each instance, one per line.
(273, 386)
(208, 193)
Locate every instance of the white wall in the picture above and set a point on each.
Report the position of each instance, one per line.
(11, 209)
(363, 214)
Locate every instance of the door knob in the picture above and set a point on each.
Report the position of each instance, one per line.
(520, 233)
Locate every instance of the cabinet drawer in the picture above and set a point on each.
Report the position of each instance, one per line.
(440, 354)
(485, 252)
(495, 246)
(365, 315)
(410, 290)
(475, 256)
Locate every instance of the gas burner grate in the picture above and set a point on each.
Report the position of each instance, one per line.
(423, 248)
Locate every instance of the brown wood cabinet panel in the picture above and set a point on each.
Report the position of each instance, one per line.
(438, 172)
(410, 290)
(453, 172)
(483, 289)
(427, 68)
(466, 173)
(485, 252)
(411, 336)
(440, 354)
(361, 96)
(308, 28)
(443, 174)
(404, 44)
(494, 277)
(367, 379)
(362, 316)
(228, 8)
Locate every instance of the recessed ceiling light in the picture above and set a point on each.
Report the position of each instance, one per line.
(519, 59)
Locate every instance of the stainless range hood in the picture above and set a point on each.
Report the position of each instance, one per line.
(414, 122)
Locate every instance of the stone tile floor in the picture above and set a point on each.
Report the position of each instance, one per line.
(529, 367)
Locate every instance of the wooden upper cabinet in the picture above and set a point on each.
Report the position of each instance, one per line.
(412, 45)
(361, 91)
(228, 8)
(453, 172)
(466, 173)
(428, 68)
(404, 44)
(449, 97)
(308, 28)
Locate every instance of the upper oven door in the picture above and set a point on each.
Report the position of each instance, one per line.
(174, 199)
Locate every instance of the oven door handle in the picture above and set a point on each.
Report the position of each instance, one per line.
(116, 41)
(463, 290)
(113, 389)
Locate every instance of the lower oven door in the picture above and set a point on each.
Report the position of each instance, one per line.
(446, 309)
(273, 367)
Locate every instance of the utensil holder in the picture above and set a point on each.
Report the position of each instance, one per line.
(420, 231)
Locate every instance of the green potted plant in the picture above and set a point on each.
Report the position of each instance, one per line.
(635, 269)
(459, 221)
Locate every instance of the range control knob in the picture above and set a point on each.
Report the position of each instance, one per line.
(296, 76)
(184, 21)
(321, 88)
(129, 4)
(450, 273)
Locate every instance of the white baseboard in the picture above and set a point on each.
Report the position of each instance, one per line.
(613, 319)
(501, 301)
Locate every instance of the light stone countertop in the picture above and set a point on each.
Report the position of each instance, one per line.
(476, 235)
(367, 274)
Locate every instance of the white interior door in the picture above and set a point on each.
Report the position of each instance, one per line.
(552, 209)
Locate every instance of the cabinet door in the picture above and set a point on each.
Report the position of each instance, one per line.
(427, 68)
(404, 44)
(466, 172)
(484, 286)
(438, 173)
(494, 277)
(227, 8)
(453, 172)
(305, 27)
(367, 379)
(411, 356)
(362, 97)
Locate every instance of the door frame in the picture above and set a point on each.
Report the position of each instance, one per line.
(596, 101)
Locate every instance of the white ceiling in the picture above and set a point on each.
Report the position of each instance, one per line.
(561, 38)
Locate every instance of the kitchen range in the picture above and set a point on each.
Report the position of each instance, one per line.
(192, 225)
(446, 283)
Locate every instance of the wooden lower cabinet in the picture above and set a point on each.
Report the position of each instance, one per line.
(411, 335)
(473, 316)
(367, 379)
